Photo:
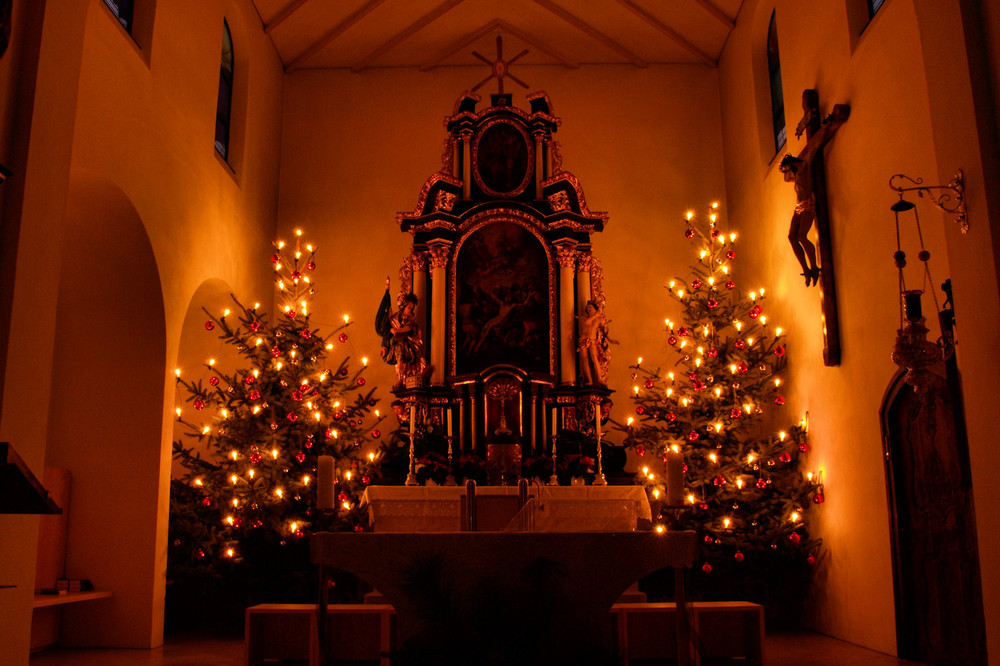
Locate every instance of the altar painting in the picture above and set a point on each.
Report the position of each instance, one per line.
(502, 310)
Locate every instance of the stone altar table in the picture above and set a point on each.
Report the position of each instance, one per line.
(525, 598)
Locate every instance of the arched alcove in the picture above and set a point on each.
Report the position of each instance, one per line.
(198, 347)
(106, 414)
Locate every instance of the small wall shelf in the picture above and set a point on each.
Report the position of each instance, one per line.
(43, 600)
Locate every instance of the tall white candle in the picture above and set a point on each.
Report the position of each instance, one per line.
(675, 477)
(324, 482)
(553, 421)
(413, 420)
(447, 417)
(597, 418)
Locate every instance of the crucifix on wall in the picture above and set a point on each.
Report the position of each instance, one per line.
(807, 173)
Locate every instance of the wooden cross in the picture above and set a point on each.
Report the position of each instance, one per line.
(809, 175)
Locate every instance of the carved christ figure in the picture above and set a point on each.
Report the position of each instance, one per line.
(799, 170)
(589, 328)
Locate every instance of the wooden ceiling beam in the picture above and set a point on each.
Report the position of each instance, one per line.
(717, 13)
(337, 31)
(407, 32)
(284, 14)
(592, 32)
(662, 27)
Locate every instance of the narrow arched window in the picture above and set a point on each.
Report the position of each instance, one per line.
(224, 108)
(122, 9)
(774, 77)
(874, 6)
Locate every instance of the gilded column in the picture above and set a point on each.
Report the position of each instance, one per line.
(466, 165)
(418, 271)
(566, 255)
(539, 164)
(439, 250)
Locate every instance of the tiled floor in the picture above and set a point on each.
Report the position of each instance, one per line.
(799, 649)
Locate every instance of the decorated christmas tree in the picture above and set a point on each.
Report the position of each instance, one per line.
(275, 450)
(711, 434)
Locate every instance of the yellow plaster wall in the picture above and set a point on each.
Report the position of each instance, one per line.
(895, 121)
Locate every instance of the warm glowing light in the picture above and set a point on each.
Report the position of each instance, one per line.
(656, 493)
(718, 391)
(660, 529)
(234, 478)
(629, 421)
(329, 346)
(281, 245)
(739, 483)
(809, 475)
(305, 480)
(334, 434)
(256, 306)
(364, 360)
(336, 404)
(680, 293)
(279, 492)
(294, 527)
(738, 325)
(763, 321)
(671, 375)
(713, 457)
(206, 430)
(177, 372)
(715, 204)
(777, 331)
(732, 368)
(690, 499)
(670, 392)
(748, 408)
(689, 214)
(726, 522)
(777, 381)
(278, 365)
(274, 453)
(685, 402)
(795, 516)
(234, 455)
(251, 472)
(782, 435)
(635, 389)
(751, 458)
(645, 471)
(224, 413)
(672, 283)
(697, 363)
(713, 217)
(198, 482)
(703, 254)
(347, 475)
(371, 456)
(230, 552)
(256, 409)
(347, 319)
(749, 342)
(718, 427)
(753, 295)
(230, 520)
(346, 506)
(732, 236)
(225, 313)
(761, 290)
(258, 342)
(298, 232)
(236, 502)
(683, 344)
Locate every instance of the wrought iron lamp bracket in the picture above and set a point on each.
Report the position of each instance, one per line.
(951, 200)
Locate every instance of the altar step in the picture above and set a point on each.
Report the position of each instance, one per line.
(642, 632)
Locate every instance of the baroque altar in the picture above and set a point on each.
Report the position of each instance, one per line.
(503, 290)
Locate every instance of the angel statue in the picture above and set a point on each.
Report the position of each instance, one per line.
(402, 343)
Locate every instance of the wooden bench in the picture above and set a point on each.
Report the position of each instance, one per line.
(722, 630)
(361, 633)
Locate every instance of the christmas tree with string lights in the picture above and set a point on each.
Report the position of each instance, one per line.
(255, 436)
(709, 436)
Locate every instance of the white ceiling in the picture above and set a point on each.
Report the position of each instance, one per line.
(358, 34)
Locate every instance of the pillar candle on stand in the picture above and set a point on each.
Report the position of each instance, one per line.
(324, 482)
(597, 418)
(675, 477)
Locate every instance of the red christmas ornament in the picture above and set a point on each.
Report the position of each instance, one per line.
(699, 385)
(200, 554)
(359, 528)
(803, 447)
(708, 539)
(703, 506)
(296, 275)
(779, 351)
(199, 404)
(337, 416)
(255, 395)
(640, 410)
(811, 559)
(308, 444)
(296, 396)
(292, 416)
(761, 483)
(291, 314)
(706, 567)
(684, 468)
(693, 436)
(689, 233)
(712, 353)
(742, 368)
(730, 284)
(342, 497)
(329, 433)
(693, 376)
(738, 556)
(344, 371)
(209, 325)
(735, 412)
(255, 326)
(300, 457)
(730, 255)
(779, 400)
(276, 258)
(342, 337)
(366, 479)
(818, 498)
(649, 383)
(214, 381)
(695, 285)
(311, 265)
(719, 481)
(306, 334)
(739, 344)
(250, 379)
(275, 352)
(671, 417)
(361, 381)
(672, 340)
(640, 450)
(206, 501)
(794, 537)
(254, 458)
(682, 331)
(712, 303)
(785, 457)
(299, 534)
(376, 433)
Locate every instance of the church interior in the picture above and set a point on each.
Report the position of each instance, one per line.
(145, 179)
